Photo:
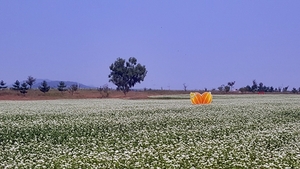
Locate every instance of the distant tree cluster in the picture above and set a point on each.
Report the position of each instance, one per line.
(44, 87)
(125, 74)
(22, 88)
(256, 87)
(226, 88)
(261, 88)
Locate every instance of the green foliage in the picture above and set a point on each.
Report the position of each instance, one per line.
(61, 87)
(227, 88)
(231, 84)
(2, 85)
(16, 85)
(248, 88)
(30, 81)
(261, 87)
(294, 90)
(44, 87)
(221, 88)
(126, 74)
(254, 86)
(23, 89)
(285, 89)
(243, 89)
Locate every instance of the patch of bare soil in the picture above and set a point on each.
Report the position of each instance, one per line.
(81, 94)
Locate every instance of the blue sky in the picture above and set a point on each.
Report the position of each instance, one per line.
(203, 44)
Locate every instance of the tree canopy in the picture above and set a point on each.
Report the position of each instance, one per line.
(126, 74)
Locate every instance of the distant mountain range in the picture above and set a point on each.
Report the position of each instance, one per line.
(54, 83)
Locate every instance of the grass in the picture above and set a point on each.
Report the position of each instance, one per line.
(235, 131)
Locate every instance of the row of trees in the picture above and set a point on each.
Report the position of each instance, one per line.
(226, 88)
(263, 88)
(29, 82)
(256, 87)
(44, 87)
(124, 74)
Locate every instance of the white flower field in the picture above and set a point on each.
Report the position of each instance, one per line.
(235, 131)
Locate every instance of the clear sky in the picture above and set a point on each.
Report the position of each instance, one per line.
(203, 44)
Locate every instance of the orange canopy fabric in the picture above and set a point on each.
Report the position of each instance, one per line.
(197, 98)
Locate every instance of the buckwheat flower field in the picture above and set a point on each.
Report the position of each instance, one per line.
(235, 131)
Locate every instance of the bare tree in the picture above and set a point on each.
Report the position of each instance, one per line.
(30, 81)
(104, 90)
(184, 86)
(73, 88)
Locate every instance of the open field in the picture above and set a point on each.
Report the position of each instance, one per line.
(235, 131)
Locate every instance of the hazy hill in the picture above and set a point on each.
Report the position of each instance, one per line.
(54, 83)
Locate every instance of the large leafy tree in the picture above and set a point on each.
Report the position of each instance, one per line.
(44, 87)
(126, 74)
(30, 81)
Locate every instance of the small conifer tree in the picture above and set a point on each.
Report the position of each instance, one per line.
(2, 85)
(44, 87)
(16, 85)
(23, 89)
(61, 87)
